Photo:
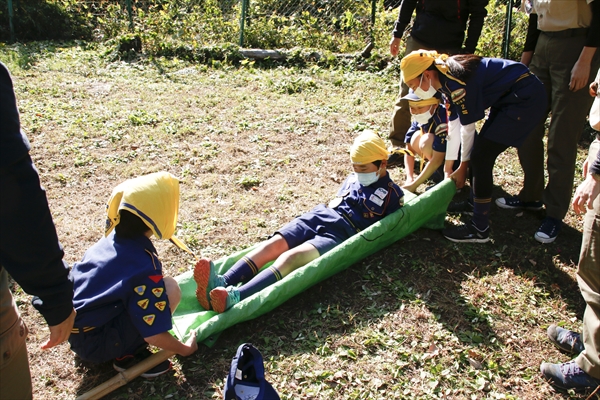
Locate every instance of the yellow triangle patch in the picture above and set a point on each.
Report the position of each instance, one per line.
(158, 291)
(140, 289)
(160, 305)
(149, 319)
(143, 303)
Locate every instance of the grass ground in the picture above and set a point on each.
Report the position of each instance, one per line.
(425, 318)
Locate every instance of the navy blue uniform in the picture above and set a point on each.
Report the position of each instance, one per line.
(355, 208)
(438, 125)
(120, 298)
(516, 97)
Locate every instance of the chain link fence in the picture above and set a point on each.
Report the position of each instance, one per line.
(340, 26)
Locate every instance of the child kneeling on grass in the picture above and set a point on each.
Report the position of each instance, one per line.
(122, 300)
(367, 196)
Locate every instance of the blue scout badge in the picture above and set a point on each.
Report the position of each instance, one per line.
(246, 379)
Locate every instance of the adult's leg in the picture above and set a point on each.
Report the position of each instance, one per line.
(569, 110)
(588, 276)
(531, 152)
(15, 378)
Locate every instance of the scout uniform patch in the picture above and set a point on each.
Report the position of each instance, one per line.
(143, 303)
(149, 319)
(160, 305)
(155, 278)
(158, 291)
(140, 289)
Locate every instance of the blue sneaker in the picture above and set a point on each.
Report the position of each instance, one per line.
(206, 280)
(548, 230)
(513, 203)
(222, 299)
(568, 376)
(565, 339)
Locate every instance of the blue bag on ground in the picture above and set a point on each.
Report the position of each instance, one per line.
(246, 379)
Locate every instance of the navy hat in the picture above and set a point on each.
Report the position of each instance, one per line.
(246, 379)
(417, 101)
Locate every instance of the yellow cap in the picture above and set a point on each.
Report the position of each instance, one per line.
(154, 198)
(368, 147)
(415, 63)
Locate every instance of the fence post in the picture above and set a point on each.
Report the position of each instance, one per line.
(243, 20)
(507, 29)
(130, 12)
(11, 15)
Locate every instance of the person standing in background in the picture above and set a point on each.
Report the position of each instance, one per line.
(29, 251)
(561, 51)
(438, 25)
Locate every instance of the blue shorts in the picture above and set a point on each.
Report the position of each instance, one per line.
(117, 338)
(322, 227)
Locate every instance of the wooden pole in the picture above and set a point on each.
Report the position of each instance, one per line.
(126, 376)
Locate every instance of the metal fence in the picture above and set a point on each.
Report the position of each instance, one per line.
(334, 25)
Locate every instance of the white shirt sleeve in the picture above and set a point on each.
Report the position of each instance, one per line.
(453, 140)
(467, 136)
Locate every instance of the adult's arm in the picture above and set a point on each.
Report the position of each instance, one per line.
(477, 14)
(405, 12)
(587, 192)
(580, 74)
(29, 249)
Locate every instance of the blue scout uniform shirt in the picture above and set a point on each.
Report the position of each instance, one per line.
(493, 79)
(362, 206)
(121, 275)
(437, 124)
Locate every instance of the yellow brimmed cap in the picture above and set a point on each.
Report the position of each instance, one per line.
(415, 63)
(154, 198)
(368, 147)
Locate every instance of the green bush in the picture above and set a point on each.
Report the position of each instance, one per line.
(47, 20)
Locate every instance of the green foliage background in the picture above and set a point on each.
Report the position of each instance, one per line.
(167, 27)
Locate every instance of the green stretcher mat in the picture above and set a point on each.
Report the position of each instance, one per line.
(427, 210)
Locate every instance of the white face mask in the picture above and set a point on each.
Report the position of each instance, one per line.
(422, 94)
(367, 178)
(423, 118)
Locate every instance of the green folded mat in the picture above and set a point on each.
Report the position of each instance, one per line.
(426, 210)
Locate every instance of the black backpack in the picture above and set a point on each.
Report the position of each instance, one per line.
(246, 379)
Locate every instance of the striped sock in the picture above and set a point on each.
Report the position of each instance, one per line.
(481, 213)
(242, 271)
(265, 278)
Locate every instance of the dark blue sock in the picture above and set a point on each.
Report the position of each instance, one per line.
(242, 271)
(481, 213)
(265, 278)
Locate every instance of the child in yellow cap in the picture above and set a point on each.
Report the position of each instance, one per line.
(366, 196)
(122, 300)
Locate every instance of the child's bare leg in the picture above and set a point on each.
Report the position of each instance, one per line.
(173, 292)
(269, 250)
(295, 258)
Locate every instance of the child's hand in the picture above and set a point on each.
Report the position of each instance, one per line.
(191, 344)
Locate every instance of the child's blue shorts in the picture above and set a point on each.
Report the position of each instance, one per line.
(117, 338)
(323, 227)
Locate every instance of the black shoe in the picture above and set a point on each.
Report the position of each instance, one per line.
(460, 207)
(396, 159)
(123, 363)
(467, 233)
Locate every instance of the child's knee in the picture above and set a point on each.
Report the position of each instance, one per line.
(173, 292)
